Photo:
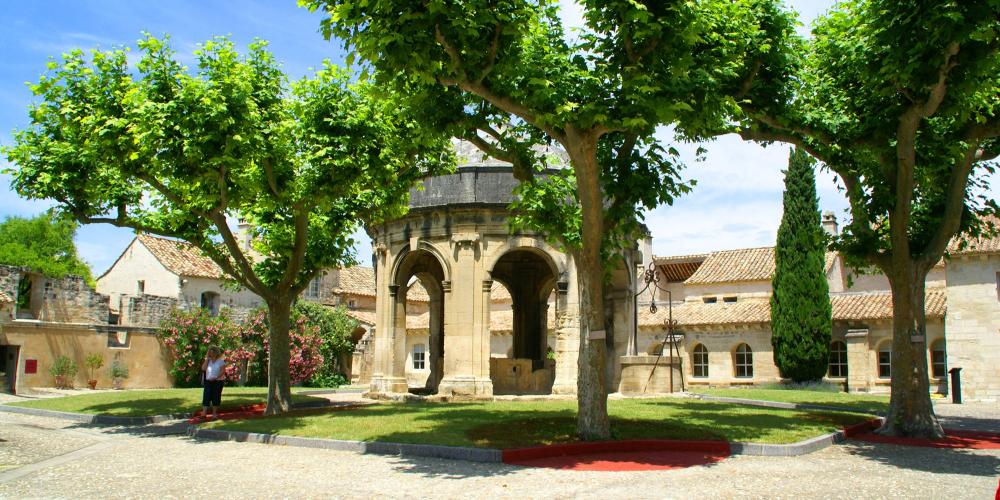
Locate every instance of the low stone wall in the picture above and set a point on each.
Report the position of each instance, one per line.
(40, 343)
(515, 376)
(649, 375)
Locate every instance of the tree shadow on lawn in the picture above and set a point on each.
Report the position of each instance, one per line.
(744, 423)
(934, 460)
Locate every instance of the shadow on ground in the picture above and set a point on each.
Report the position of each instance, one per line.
(932, 460)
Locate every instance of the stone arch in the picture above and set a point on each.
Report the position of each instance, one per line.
(427, 266)
(543, 250)
(401, 258)
(530, 275)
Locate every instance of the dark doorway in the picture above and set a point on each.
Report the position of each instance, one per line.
(8, 368)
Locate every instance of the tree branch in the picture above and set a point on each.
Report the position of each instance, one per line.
(243, 266)
(453, 54)
(951, 220)
(299, 251)
(491, 55)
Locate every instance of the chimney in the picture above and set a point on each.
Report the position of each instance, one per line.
(243, 229)
(829, 223)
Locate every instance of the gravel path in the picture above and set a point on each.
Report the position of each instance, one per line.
(79, 461)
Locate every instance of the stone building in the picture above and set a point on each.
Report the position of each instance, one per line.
(43, 318)
(163, 267)
(457, 244)
(720, 304)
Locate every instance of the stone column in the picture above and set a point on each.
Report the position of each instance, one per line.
(466, 337)
(859, 370)
(567, 335)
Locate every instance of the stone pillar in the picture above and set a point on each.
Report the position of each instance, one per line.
(466, 334)
(391, 345)
(859, 370)
(567, 335)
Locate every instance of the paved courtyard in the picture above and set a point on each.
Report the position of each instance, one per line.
(49, 458)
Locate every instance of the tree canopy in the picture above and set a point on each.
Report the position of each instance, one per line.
(44, 244)
(508, 79)
(180, 153)
(901, 99)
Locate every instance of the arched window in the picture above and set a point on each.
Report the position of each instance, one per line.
(743, 361)
(939, 358)
(699, 360)
(418, 356)
(838, 359)
(210, 301)
(885, 361)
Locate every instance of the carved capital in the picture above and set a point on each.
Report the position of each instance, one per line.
(446, 286)
(393, 290)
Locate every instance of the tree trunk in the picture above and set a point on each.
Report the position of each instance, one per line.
(279, 388)
(592, 397)
(911, 413)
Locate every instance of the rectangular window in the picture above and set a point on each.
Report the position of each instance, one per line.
(937, 364)
(118, 340)
(885, 363)
(312, 291)
(709, 300)
(140, 286)
(729, 299)
(418, 357)
(351, 304)
(838, 360)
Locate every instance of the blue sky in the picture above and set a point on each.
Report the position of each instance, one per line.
(737, 202)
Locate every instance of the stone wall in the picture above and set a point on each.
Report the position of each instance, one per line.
(66, 300)
(146, 310)
(40, 343)
(973, 324)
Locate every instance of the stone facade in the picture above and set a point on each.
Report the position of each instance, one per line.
(973, 322)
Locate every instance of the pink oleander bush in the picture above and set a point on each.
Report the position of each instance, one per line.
(305, 348)
(187, 334)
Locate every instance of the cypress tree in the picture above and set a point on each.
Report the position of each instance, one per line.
(801, 314)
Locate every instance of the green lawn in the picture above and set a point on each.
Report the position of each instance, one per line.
(512, 424)
(134, 403)
(866, 402)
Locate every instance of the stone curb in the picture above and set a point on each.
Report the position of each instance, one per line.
(782, 405)
(113, 420)
(365, 447)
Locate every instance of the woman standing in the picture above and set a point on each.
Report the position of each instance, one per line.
(212, 394)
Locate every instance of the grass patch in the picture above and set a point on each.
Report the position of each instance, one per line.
(866, 402)
(514, 424)
(139, 403)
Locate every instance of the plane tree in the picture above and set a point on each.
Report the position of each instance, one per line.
(180, 153)
(901, 99)
(511, 79)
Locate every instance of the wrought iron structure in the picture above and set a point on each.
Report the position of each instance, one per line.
(651, 278)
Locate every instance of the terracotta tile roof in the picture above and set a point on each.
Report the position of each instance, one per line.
(727, 266)
(180, 258)
(366, 318)
(680, 268)
(966, 245)
(701, 314)
(846, 307)
(741, 265)
(4, 298)
(879, 305)
(357, 280)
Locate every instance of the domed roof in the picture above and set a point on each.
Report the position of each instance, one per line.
(480, 180)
